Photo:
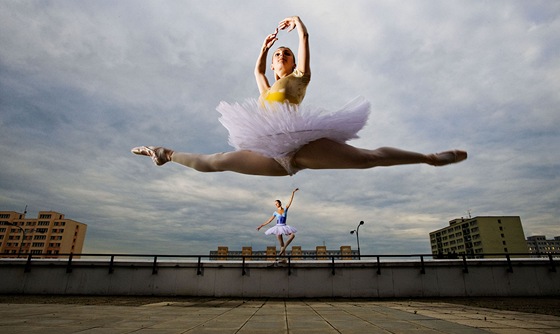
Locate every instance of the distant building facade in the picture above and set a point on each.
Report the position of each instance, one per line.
(296, 253)
(478, 235)
(539, 244)
(47, 235)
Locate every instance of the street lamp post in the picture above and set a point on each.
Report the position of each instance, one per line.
(358, 238)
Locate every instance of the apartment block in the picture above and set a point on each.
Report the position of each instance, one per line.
(539, 244)
(479, 235)
(45, 236)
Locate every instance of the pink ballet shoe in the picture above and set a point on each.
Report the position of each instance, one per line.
(159, 155)
(447, 157)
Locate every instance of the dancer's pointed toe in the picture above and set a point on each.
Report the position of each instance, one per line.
(447, 157)
(159, 155)
(141, 150)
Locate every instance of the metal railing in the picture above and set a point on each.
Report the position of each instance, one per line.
(288, 260)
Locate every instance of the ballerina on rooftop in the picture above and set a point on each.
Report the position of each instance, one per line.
(281, 228)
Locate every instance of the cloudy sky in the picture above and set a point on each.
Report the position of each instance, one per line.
(82, 82)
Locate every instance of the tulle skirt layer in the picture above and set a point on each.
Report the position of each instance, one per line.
(280, 229)
(277, 129)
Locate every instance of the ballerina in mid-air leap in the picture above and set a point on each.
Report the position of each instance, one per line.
(275, 136)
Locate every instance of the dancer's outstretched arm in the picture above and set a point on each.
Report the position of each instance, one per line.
(267, 222)
(291, 198)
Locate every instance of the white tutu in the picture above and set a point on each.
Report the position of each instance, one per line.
(277, 129)
(280, 229)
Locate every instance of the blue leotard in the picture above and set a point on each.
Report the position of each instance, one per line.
(281, 218)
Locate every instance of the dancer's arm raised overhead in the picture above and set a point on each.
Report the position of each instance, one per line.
(291, 198)
(303, 58)
(260, 66)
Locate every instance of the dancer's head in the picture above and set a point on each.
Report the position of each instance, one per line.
(278, 203)
(283, 61)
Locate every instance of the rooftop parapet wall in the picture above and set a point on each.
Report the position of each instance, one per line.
(257, 278)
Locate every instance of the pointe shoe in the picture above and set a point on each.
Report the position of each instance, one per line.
(159, 155)
(447, 157)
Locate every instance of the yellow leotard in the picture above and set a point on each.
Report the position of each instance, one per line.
(290, 88)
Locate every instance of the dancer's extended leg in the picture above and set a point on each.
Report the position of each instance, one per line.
(245, 162)
(320, 154)
(328, 154)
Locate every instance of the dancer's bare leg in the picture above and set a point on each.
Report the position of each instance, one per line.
(328, 154)
(281, 242)
(284, 247)
(245, 162)
(320, 154)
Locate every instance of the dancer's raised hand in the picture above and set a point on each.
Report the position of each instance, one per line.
(270, 39)
(288, 23)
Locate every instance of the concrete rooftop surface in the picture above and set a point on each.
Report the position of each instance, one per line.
(215, 315)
